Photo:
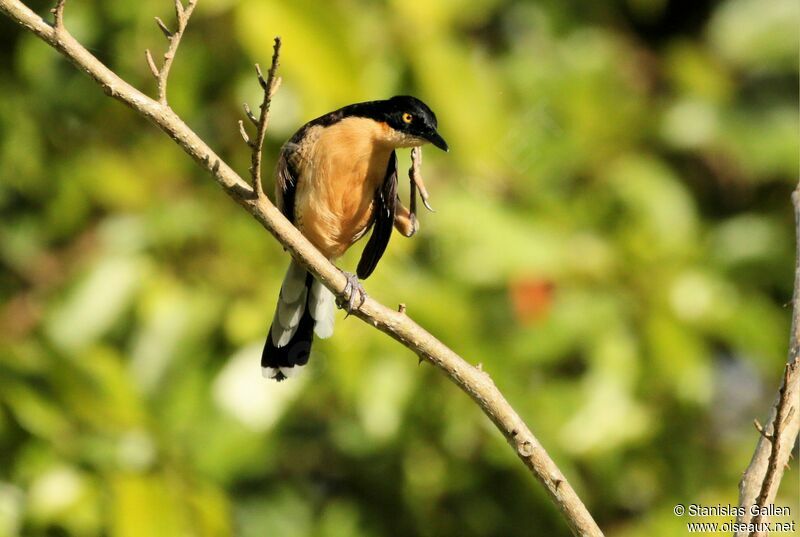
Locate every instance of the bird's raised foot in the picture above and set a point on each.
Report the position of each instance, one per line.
(353, 293)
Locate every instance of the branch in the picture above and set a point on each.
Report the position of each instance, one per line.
(58, 15)
(760, 482)
(161, 75)
(415, 175)
(472, 380)
(270, 86)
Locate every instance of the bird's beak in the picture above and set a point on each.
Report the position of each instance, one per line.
(437, 140)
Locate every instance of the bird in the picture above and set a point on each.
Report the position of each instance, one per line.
(335, 180)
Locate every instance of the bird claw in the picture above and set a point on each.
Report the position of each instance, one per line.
(353, 292)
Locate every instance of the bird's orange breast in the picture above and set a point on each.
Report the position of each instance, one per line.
(340, 174)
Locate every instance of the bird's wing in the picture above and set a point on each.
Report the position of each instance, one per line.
(383, 217)
(286, 180)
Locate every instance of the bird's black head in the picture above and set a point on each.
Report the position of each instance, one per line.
(411, 116)
(412, 120)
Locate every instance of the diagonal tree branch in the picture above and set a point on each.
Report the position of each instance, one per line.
(472, 380)
(760, 482)
(784, 411)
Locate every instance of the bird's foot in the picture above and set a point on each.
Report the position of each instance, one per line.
(353, 294)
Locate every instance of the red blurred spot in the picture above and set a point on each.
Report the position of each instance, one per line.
(531, 298)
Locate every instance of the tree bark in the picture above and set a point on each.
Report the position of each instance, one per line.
(760, 482)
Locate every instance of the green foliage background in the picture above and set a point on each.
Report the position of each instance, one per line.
(613, 241)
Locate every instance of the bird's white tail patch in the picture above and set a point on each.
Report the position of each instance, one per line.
(281, 372)
(269, 372)
(291, 305)
(294, 282)
(290, 372)
(323, 309)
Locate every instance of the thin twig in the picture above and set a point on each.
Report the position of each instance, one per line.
(412, 187)
(58, 15)
(416, 179)
(249, 113)
(760, 429)
(151, 63)
(269, 86)
(244, 135)
(782, 412)
(474, 382)
(760, 482)
(182, 15)
(163, 27)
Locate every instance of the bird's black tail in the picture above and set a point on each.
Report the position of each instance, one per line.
(304, 305)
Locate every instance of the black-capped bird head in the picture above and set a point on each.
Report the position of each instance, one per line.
(411, 122)
(414, 119)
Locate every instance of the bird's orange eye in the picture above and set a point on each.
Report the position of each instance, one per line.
(407, 117)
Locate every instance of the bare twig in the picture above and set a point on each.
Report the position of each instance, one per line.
(412, 188)
(163, 27)
(58, 15)
(476, 383)
(760, 482)
(778, 425)
(243, 134)
(182, 15)
(269, 86)
(416, 180)
(249, 113)
(151, 63)
(761, 431)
